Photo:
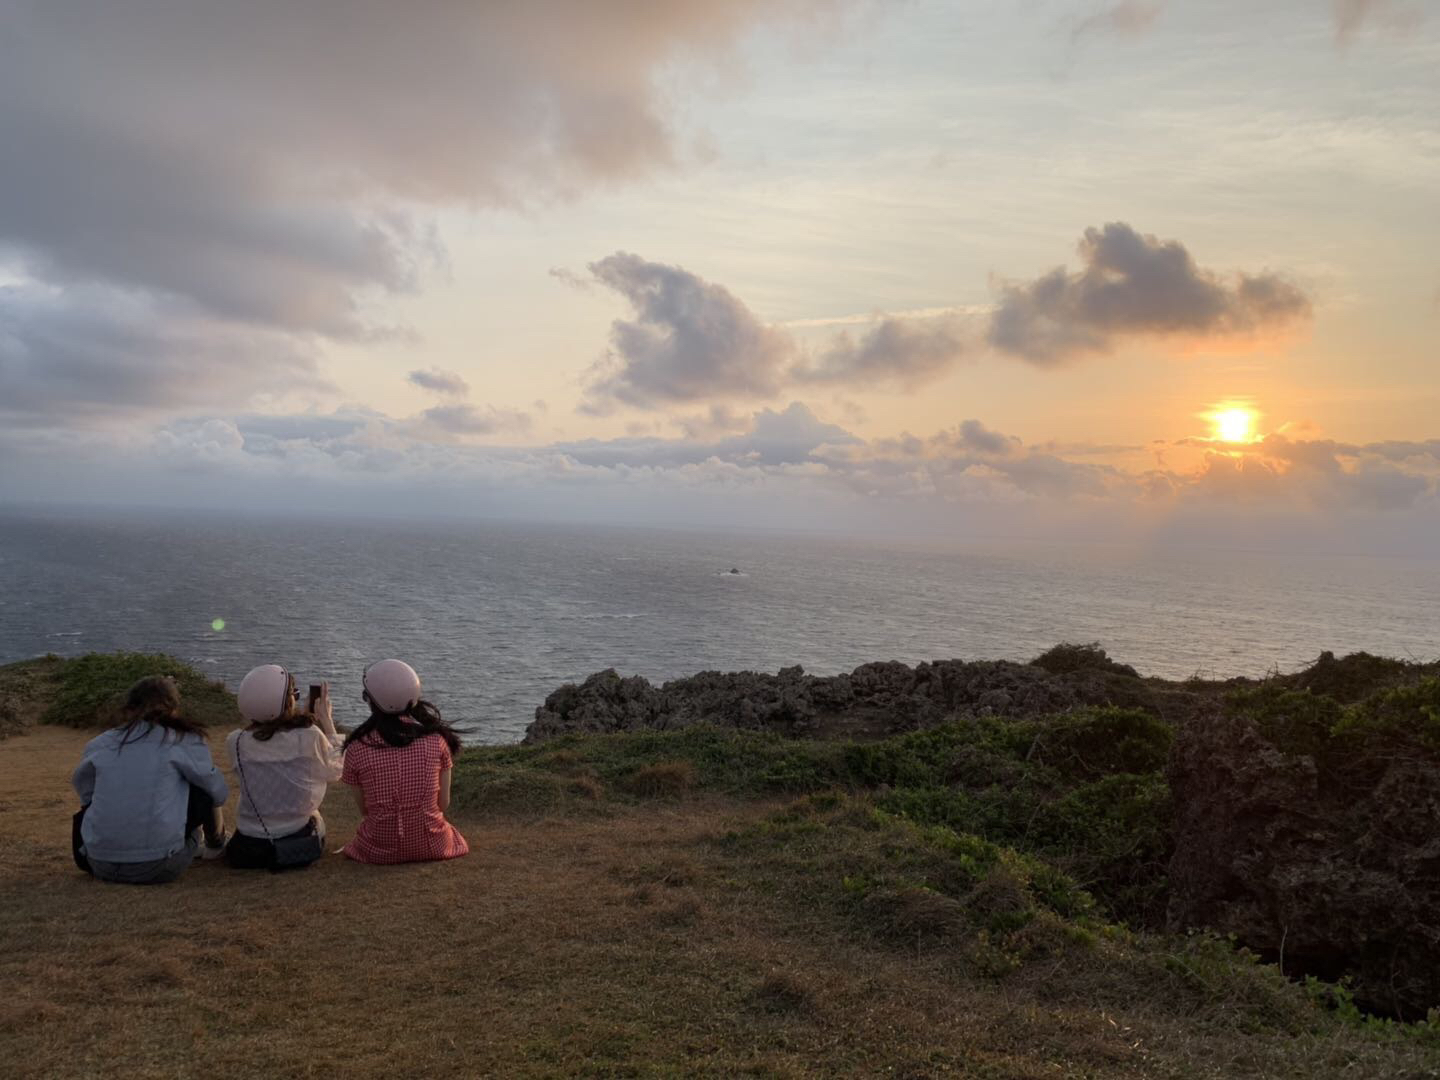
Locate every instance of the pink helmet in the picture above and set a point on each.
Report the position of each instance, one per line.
(392, 685)
(264, 694)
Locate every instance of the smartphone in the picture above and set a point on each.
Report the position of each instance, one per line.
(316, 689)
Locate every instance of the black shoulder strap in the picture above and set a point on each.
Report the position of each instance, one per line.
(245, 789)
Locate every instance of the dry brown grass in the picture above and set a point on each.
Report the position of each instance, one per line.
(627, 944)
(663, 780)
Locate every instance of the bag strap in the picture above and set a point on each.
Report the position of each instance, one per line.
(245, 788)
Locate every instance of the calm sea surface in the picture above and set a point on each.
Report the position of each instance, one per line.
(494, 617)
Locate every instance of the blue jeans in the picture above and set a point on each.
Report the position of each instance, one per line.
(200, 812)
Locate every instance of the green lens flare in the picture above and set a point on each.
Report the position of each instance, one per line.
(217, 624)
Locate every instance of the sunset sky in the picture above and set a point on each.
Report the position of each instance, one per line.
(957, 268)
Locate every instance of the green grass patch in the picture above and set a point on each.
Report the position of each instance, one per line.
(88, 691)
(741, 763)
(1046, 786)
(998, 914)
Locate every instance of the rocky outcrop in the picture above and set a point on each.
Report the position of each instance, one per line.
(1328, 862)
(873, 700)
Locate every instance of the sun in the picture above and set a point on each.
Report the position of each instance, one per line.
(1233, 424)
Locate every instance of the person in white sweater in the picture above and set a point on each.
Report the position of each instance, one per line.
(283, 759)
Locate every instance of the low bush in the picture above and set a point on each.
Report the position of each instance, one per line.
(1045, 786)
(1064, 659)
(1295, 721)
(89, 690)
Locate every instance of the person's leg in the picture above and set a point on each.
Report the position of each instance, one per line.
(152, 872)
(76, 843)
(202, 813)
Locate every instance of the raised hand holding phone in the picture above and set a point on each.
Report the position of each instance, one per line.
(320, 707)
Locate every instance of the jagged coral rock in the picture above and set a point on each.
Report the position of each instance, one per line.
(875, 699)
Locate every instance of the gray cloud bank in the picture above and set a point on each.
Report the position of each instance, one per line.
(690, 340)
(261, 169)
(782, 467)
(1132, 285)
(92, 355)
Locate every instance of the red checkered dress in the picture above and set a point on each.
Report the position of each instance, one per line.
(403, 822)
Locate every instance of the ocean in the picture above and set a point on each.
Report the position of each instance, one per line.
(494, 617)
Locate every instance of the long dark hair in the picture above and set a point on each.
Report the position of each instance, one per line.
(155, 701)
(401, 729)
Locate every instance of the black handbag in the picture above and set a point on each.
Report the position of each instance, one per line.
(296, 850)
(300, 848)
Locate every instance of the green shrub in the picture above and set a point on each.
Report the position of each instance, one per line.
(1295, 721)
(90, 689)
(1040, 786)
(1066, 658)
(1407, 714)
(1090, 743)
(1353, 678)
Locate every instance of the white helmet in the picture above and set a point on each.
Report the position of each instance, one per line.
(264, 694)
(392, 685)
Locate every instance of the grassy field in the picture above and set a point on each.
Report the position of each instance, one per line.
(698, 903)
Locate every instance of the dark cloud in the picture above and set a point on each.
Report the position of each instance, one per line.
(66, 358)
(442, 382)
(690, 340)
(251, 156)
(1397, 450)
(1134, 284)
(275, 164)
(469, 419)
(903, 352)
(973, 435)
(85, 203)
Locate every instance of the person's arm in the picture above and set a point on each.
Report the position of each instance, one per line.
(83, 780)
(329, 759)
(195, 764)
(350, 776)
(443, 795)
(324, 715)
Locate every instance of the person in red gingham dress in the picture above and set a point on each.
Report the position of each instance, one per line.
(398, 764)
